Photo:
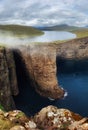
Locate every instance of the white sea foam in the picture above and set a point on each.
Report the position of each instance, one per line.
(51, 99)
(65, 94)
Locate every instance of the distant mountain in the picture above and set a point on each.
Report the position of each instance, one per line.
(62, 27)
(86, 26)
(21, 30)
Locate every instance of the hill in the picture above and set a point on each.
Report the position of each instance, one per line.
(62, 27)
(79, 31)
(21, 30)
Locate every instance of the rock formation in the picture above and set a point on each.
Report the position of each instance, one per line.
(40, 64)
(49, 118)
(8, 82)
(73, 49)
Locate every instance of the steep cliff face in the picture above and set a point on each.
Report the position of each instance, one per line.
(40, 64)
(8, 82)
(73, 49)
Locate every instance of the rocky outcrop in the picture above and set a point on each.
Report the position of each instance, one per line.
(52, 118)
(49, 118)
(73, 49)
(40, 64)
(8, 82)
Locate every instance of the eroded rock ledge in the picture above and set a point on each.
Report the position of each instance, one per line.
(74, 49)
(49, 118)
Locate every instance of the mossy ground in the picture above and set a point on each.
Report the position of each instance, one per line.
(1, 107)
(80, 33)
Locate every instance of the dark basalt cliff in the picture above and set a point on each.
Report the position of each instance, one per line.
(40, 66)
(74, 49)
(8, 82)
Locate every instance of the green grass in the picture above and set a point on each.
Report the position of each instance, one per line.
(62, 27)
(2, 108)
(80, 33)
(20, 30)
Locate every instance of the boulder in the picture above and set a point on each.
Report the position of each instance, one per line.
(49, 118)
(52, 118)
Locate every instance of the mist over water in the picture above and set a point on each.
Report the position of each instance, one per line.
(10, 39)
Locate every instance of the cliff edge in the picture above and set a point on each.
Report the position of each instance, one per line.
(8, 82)
(40, 64)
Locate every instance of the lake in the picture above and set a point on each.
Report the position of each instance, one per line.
(50, 36)
(11, 39)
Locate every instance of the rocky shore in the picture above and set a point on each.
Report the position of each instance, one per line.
(49, 118)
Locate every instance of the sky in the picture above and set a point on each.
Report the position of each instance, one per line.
(44, 12)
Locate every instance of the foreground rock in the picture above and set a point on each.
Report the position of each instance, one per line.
(49, 118)
(40, 64)
(8, 82)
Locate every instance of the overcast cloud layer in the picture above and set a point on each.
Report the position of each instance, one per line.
(44, 12)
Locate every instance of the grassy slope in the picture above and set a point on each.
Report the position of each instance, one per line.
(62, 27)
(81, 32)
(21, 30)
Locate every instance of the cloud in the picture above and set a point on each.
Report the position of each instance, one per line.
(44, 12)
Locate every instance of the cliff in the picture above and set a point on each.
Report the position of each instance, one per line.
(8, 82)
(39, 62)
(73, 49)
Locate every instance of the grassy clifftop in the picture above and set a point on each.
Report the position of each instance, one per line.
(80, 33)
(21, 30)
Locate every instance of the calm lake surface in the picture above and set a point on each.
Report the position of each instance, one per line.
(50, 36)
(11, 39)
